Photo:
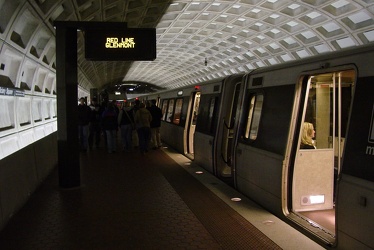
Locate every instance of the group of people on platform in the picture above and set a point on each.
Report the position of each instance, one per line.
(139, 125)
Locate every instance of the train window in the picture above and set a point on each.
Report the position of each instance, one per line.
(211, 113)
(177, 111)
(207, 115)
(320, 98)
(184, 111)
(254, 114)
(169, 115)
(164, 108)
(326, 93)
(234, 105)
(196, 108)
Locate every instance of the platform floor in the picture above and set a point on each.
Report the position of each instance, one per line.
(151, 201)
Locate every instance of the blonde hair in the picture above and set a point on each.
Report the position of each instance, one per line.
(306, 137)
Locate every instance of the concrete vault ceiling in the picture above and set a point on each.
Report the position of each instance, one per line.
(207, 39)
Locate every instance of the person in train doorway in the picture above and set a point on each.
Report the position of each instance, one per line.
(127, 125)
(156, 113)
(110, 126)
(307, 136)
(143, 120)
(84, 117)
(94, 128)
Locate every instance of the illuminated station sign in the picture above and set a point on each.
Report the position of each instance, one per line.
(120, 45)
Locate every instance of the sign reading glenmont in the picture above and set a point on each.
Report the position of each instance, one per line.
(120, 45)
(115, 43)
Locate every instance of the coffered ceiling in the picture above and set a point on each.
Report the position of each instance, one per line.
(199, 40)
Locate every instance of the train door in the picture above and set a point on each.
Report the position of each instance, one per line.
(191, 124)
(227, 130)
(320, 135)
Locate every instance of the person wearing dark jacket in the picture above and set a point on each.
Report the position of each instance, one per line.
(94, 131)
(110, 126)
(127, 124)
(84, 117)
(155, 124)
(135, 139)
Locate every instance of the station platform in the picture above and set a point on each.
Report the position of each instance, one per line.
(160, 200)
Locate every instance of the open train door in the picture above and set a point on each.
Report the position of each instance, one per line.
(325, 101)
(191, 124)
(227, 129)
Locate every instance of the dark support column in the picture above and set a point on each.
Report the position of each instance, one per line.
(67, 97)
(67, 102)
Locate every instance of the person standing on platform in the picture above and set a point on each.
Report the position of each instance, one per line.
(135, 139)
(136, 106)
(84, 117)
(143, 120)
(115, 106)
(127, 125)
(110, 126)
(155, 124)
(94, 129)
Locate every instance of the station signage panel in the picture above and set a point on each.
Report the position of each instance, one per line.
(120, 44)
(11, 92)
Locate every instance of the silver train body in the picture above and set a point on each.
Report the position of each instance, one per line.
(247, 129)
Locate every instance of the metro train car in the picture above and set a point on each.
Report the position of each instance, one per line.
(209, 102)
(249, 130)
(325, 191)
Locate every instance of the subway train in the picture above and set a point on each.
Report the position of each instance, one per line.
(248, 130)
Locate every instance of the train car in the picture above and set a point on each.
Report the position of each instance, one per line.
(199, 122)
(177, 124)
(180, 108)
(250, 131)
(326, 190)
(215, 126)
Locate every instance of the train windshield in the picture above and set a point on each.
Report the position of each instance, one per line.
(324, 104)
